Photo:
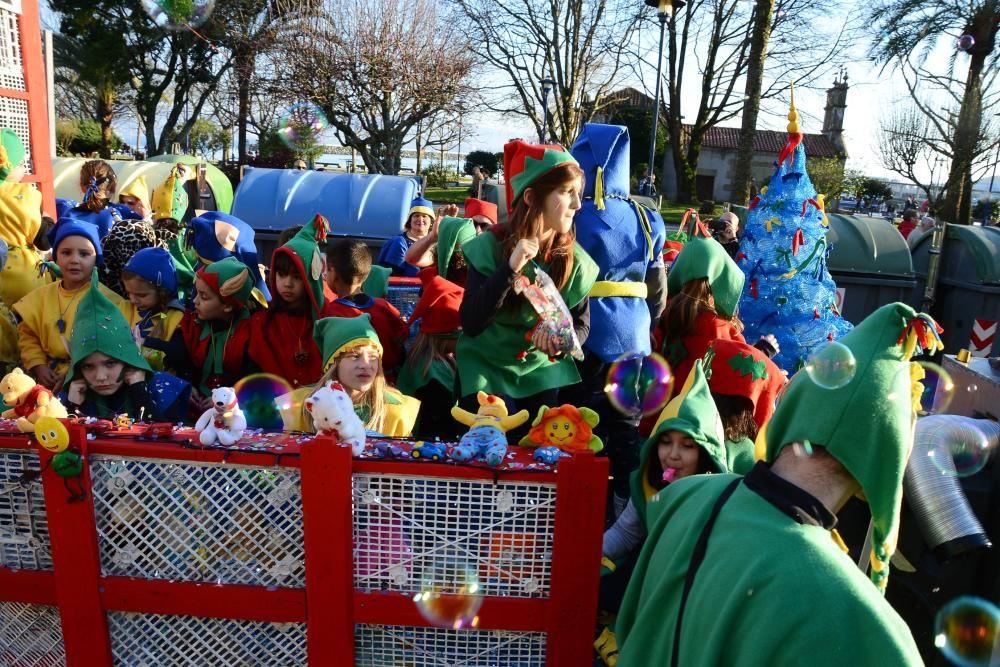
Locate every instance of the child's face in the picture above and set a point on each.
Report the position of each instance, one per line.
(141, 293)
(560, 206)
(357, 368)
(208, 304)
(76, 258)
(103, 374)
(134, 203)
(290, 288)
(678, 451)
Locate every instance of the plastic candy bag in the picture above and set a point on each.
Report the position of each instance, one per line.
(553, 316)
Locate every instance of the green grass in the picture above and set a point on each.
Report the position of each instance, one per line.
(447, 195)
(672, 212)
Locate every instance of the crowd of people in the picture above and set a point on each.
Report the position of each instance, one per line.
(141, 311)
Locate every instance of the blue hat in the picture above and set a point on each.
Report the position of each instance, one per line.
(64, 206)
(421, 205)
(69, 227)
(124, 212)
(3, 254)
(155, 265)
(603, 154)
(104, 220)
(215, 235)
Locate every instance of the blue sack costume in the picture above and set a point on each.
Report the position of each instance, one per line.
(215, 235)
(623, 238)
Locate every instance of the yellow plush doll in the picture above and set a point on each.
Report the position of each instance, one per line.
(29, 401)
(486, 436)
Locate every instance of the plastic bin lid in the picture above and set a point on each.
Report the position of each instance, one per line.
(358, 205)
(867, 245)
(66, 176)
(983, 243)
(221, 186)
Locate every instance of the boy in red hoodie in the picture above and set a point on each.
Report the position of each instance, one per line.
(348, 264)
(281, 338)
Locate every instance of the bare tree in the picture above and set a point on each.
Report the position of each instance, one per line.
(920, 132)
(377, 68)
(583, 45)
(907, 31)
(799, 51)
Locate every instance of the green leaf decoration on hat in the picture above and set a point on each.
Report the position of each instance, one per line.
(100, 327)
(745, 364)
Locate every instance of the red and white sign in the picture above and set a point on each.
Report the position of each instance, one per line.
(839, 301)
(983, 333)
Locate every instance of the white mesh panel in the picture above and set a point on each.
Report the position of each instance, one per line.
(30, 634)
(11, 67)
(24, 527)
(418, 532)
(157, 640)
(390, 645)
(199, 522)
(14, 114)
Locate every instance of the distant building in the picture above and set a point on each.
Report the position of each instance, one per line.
(717, 160)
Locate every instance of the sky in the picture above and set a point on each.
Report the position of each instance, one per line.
(873, 91)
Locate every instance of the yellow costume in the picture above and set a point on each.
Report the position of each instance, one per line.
(161, 329)
(400, 412)
(39, 335)
(20, 219)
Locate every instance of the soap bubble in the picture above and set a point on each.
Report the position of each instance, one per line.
(301, 125)
(450, 596)
(960, 453)
(257, 396)
(832, 366)
(179, 14)
(937, 386)
(966, 42)
(639, 384)
(966, 631)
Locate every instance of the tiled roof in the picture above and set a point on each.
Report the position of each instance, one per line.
(765, 141)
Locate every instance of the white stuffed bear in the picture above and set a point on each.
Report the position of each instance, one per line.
(224, 422)
(333, 414)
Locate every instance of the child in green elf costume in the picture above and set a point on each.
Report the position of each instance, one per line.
(729, 561)
(353, 357)
(688, 439)
(500, 351)
(108, 376)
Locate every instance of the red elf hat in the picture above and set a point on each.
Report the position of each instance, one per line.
(487, 209)
(438, 305)
(739, 369)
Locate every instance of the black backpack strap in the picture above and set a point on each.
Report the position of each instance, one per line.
(697, 556)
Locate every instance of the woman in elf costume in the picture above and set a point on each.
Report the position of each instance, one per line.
(108, 376)
(20, 220)
(281, 341)
(419, 223)
(500, 352)
(429, 372)
(746, 599)
(353, 357)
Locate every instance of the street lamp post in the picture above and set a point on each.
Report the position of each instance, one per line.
(664, 10)
(547, 84)
(988, 209)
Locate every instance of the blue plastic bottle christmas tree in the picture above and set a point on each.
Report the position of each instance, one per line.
(788, 290)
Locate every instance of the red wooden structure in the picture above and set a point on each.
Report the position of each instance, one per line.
(24, 93)
(292, 552)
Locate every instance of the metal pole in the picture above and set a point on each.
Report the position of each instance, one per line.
(988, 209)
(656, 104)
(458, 162)
(545, 115)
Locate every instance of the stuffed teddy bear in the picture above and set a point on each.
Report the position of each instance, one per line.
(486, 436)
(332, 413)
(566, 427)
(224, 422)
(29, 401)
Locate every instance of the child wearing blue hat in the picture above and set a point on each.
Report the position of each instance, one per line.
(152, 311)
(47, 313)
(215, 235)
(419, 222)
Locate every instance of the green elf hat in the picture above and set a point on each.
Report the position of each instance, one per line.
(100, 327)
(525, 163)
(452, 232)
(11, 152)
(867, 424)
(377, 283)
(691, 411)
(706, 258)
(303, 250)
(230, 279)
(336, 335)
